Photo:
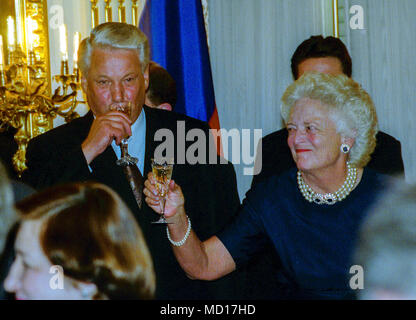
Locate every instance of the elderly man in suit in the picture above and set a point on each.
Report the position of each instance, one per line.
(114, 65)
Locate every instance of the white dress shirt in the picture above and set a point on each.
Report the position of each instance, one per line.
(137, 141)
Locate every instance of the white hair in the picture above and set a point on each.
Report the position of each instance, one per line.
(113, 35)
(350, 108)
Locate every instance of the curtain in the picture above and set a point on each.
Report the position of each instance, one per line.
(251, 43)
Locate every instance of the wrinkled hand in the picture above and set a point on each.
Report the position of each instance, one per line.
(112, 125)
(174, 199)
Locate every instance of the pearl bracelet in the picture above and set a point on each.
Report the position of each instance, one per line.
(180, 243)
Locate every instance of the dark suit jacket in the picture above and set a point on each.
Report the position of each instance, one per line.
(210, 192)
(277, 158)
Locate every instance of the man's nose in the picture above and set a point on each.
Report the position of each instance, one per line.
(117, 92)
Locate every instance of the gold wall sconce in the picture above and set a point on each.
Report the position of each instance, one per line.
(26, 102)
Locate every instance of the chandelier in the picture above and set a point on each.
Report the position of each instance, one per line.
(26, 103)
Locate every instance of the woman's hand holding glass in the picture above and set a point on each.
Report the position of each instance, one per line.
(206, 262)
(174, 206)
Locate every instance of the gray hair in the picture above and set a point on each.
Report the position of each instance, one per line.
(350, 108)
(8, 214)
(387, 244)
(113, 35)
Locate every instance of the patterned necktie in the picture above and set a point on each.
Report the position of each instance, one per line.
(134, 177)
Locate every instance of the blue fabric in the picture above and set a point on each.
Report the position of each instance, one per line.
(314, 242)
(177, 39)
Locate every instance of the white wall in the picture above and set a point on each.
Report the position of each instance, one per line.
(384, 63)
(251, 43)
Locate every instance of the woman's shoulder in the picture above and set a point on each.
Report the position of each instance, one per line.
(274, 187)
(277, 180)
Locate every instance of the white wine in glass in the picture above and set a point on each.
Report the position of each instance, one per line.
(162, 172)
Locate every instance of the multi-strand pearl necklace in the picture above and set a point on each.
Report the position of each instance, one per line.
(329, 198)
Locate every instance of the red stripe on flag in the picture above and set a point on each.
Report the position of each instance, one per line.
(214, 123)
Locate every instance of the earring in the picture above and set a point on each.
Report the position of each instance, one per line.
(345, 148)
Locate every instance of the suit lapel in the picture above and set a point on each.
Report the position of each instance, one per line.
(151, 121)
(83, 126)
(154, 122)
(105, 164)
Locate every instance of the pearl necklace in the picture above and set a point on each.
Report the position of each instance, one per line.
(329, 198)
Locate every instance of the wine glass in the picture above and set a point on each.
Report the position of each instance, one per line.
(125, 158)
(162, 171)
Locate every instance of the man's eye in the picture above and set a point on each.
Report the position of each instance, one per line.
(130, 79)
(102, 82)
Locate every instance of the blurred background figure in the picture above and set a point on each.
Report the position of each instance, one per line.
(161, 92)
(10, 191)
(387, 247)
(104, 257)
(7, 211)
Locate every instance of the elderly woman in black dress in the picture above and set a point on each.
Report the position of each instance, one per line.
(311, 214)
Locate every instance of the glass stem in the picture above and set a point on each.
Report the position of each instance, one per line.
(124, 146)
(162, 205)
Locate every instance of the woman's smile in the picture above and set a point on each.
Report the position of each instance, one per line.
(302, 150)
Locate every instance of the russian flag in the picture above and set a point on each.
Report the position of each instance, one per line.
(178, 42)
